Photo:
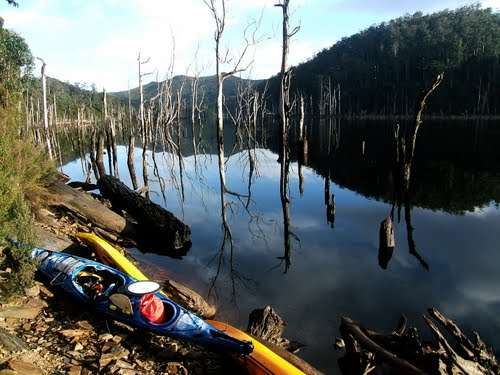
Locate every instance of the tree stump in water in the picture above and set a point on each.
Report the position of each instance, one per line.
(157, 225)
(267, 326)
(387, 242)
(402, 351)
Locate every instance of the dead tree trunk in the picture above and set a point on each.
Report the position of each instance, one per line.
(153, 219)
(45, 111)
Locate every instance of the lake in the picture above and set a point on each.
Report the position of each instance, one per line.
(331, 268)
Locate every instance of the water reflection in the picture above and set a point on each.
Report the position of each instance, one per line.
(454, 193)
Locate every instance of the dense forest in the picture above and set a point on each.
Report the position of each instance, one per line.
(382, 70)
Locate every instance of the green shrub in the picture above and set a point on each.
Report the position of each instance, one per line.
(22, 166)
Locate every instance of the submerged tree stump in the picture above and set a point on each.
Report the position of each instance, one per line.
(387, 242)
(157, 225)
(267, 326)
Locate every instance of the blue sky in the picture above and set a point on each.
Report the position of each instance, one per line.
(97, 41)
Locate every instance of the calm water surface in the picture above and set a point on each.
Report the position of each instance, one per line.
(334, 271)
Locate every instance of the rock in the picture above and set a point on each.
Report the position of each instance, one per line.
(117, 352)
(105, 337)
(11, 342)
(85, 325)
(30, 311)
(45, 291)
(174, 368)
(8, 372)
(107, 347)
(78, 347)
(75, 370)
(117, 339)
(122, 364)
(24, 368)
(74, 333)
(34, 291)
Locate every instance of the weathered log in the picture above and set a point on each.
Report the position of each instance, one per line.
(81, 204)
(403, 351)
(189, 299)
(267, 326)
(387, 242)
(155, 222)
(349, 328)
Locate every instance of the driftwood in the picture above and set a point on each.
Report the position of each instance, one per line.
(154, 221)
(387, 242)
(402, 352)
(86, 208)
(267, 326)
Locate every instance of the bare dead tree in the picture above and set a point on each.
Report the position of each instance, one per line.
(142, 119)
(284, 113)
(45, 111)
(218, 10)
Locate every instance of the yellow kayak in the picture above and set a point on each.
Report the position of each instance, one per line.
(262, 361)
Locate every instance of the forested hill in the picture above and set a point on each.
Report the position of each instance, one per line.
(382, 70)
(207, 87)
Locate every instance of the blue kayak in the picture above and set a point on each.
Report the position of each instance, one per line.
(111, 292)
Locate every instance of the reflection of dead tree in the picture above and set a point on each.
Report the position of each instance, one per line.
(403, 352)
(409, 232)
(404, 155)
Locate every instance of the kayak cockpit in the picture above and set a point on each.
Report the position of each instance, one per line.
(97, 284)
(117, 294)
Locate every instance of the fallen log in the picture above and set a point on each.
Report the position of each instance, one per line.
(89, 210)
(267, 326)
(155, 222)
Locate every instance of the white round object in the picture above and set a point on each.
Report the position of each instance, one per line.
(143, 287)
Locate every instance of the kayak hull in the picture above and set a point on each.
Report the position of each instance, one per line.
(62, 271)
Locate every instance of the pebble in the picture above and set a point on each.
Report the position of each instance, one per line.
(105, 337)
(174, 368)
